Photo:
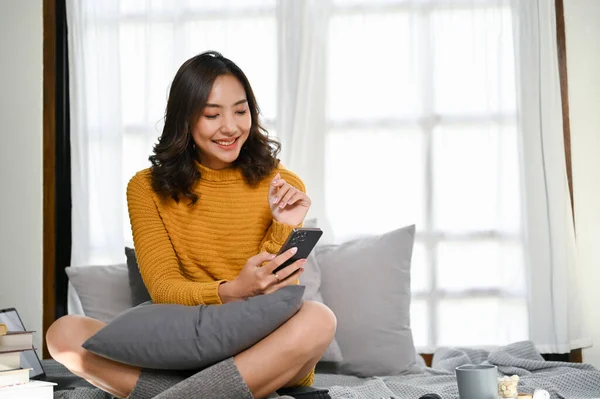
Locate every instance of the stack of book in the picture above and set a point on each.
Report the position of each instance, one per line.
(14, 380)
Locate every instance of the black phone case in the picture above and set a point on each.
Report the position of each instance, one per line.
(303, 238)
(305, 392)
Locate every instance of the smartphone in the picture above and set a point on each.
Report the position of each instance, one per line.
(303, 238)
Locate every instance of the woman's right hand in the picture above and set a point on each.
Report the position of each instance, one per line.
(255, 279)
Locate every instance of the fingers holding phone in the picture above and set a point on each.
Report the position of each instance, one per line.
(265, 273)
(255, 279)
(273, 276)
(285, 276)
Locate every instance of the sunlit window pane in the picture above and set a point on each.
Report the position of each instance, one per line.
(230, 37)
(419, 322)
(473, 61)
(419, 271)
(136, 150)
(271, 132)
(509, 220)
(476, 181)
(145, 75)
(165, 9)
(374, 181)
(414, 5)
(484, 264)
(475, 321)
(372, 71)
(132, 6)
(137, 147)
(103, 156)
(133, 64)
(362, 2)
(228, 5)
(160, 70)
(98, 80)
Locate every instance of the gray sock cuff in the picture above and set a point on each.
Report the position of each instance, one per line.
(222, 380)
(154, 382)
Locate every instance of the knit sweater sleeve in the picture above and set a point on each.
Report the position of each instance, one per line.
(279, 232)
(157, 260)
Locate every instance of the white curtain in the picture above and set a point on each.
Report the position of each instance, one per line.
(555, 318)
(96, 139)
(96, 134)
(301, 123)
(392, 111)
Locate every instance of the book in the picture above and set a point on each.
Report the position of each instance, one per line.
(13, 377)
(29, 390)
(3, 329)
(10, 360)
(16, 340)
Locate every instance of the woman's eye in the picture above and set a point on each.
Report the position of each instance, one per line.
(211, 116)
(242, 112)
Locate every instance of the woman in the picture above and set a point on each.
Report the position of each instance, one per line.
(207, 218)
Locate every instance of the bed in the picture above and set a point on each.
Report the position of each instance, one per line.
(560, 379)
(396, 372)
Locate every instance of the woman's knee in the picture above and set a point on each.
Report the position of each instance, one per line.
(318, 325)
(321, 314)
(56, 336)
(66, 335)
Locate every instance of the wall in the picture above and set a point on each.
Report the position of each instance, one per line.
(583, 62)
(21, 160)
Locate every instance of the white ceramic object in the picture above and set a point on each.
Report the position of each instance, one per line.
(541, 394)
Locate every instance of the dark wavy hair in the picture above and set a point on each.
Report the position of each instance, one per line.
(174, 172)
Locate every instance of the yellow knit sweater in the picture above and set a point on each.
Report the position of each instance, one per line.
(185, 252)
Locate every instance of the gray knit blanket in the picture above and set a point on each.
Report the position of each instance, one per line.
(562, 380)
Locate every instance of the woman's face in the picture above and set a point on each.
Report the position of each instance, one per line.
(223, 125)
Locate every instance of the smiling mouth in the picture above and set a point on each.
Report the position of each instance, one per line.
(226, 143)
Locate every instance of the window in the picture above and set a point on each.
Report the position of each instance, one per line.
(428, 136)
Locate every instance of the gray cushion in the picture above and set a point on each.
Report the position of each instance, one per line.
(311, 279)
(178, 337)
(103, 290)
(366, 282)
(139, 292)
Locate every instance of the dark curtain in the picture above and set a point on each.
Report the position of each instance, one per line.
(63, 163)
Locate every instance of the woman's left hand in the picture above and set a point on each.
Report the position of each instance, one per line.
(288, 204)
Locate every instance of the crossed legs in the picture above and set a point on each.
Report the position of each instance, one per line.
(283, 358)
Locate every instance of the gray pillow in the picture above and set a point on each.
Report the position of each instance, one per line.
(177, 337)
(102, 290)
(311, 279)
(139, 292)
(366, 283)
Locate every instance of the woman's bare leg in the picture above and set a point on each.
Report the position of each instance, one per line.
(308, 367)
(290, 352)
(64, 339)
(282, 358)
